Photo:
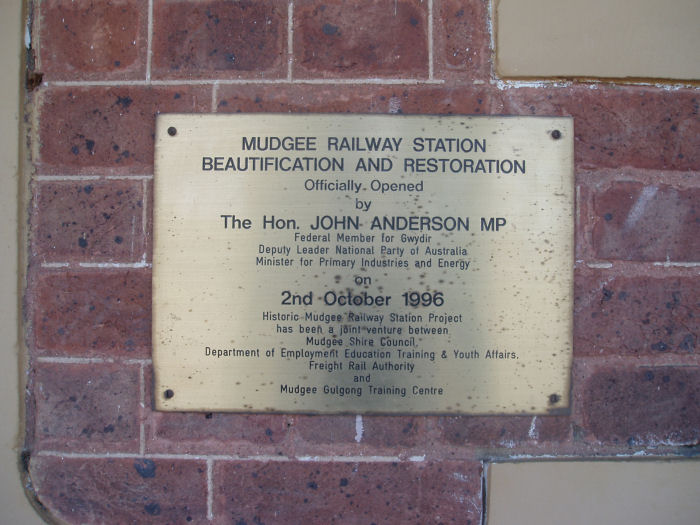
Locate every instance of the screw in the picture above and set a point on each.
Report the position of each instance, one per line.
(168, 394)
(556, 134)
(172, 131)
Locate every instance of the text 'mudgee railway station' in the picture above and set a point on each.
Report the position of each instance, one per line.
(363, 264)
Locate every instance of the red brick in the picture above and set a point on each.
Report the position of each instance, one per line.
(216, 432)
(93, 313)
(87, 407)
(358, 99)
(89, 221)
(293, 492)
(636, 315)
(385, 432)
(107, 129)
(87, 40)
(394, 431)
(219, 39)
(462, 40)
(635, 222)
(124, 490)
(641, 127)
(365, 38)
(511, 432)
(326, 429)
(641, 406)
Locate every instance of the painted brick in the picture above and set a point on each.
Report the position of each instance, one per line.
(293, 492)
(89, 221)
(616, 126)
(87, 407)
(641, 406)
(124, 490)
(510, 432)
(199, 433)
(641, 222)
(108, 129)
(87, 40)
(636, 315)
(93, 313)
(366, 38)
(462, 40)
(358, 99)
(219, 39)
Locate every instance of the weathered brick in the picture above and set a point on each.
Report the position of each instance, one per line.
(92, 313)
(358, 99)
(294, 492)
(124, 490)
(392, 432)
(199, 433)
(510, 432)
(219, 39)
(87, 407)
(326, 429)
(87, 40)
(636, 315)
(462, 40)
(108, 129)
(359, 39)
(617, 126)
(384, 432)
(640, 222)
(641, 406)
(89, 221)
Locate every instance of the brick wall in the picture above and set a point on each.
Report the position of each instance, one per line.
(97, 452)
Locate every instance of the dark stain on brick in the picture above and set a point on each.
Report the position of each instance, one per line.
(145, 467)
(88, 189)
(312, 485)
(330, 30)
(607, 294)
(660, 346)
(82, 242)
(688, 343)
(124, 102)
(152, 508)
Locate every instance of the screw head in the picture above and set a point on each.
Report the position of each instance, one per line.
(556, 134)
(168, 394)
(172, 131)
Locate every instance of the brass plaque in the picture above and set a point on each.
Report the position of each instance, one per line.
(363, 263)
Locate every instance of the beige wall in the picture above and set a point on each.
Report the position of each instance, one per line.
(600, 492)
(598, 38)
(15, 508)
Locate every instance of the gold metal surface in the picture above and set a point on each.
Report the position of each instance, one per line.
(368, 264)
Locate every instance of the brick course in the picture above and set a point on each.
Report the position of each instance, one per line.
(97, 450)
